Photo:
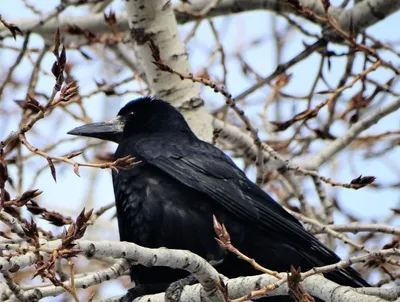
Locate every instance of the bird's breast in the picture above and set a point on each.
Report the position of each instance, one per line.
(155, 210)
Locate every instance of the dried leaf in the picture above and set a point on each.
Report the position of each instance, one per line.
(30, 103)
(27, 196)
(34, 207)
(11, 27)
(76, 169)
(105, 157)
(395, 243)
(326, 4)
(283, 79)
(68, 91)
(2, 234)
(111, 20)
(224, 239)
(63, 57)
(362, 181)
(55, 69)
(123, 163)
(3, 173)
(57, 42)
(31, 230)
(74, 154)
(76, 230)
(396, 211)
(52, 169)
(76, 30)
(305, 115)
(296, 290)
(155, 52)
(295, 4)
(56, 219)
(323, 134)
(375, 262)
(85, 55)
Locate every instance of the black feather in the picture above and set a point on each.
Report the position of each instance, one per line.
(170, 197)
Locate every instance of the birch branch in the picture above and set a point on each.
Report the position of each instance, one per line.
(343, 141)
(207, 276)
(155, 19)
(317, 286)
(130, 253)
(357, 228)
(362, 15)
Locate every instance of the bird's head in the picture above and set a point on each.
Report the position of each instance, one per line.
(141, 116)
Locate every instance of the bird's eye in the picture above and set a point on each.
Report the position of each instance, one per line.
(132, 113)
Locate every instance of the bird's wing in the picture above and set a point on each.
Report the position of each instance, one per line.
(207, 169)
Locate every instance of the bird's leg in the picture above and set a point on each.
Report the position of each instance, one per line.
(142, 290)
(174, 291)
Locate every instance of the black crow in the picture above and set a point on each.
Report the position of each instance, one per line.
(169, 199)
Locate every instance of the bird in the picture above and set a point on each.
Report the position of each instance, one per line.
(180, 182)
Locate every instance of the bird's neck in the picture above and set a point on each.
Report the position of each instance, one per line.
(127, 146)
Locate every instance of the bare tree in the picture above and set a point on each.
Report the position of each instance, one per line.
(295, 99)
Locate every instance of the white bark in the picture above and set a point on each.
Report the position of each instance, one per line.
(317, 286)
(12, 222)
(367, 13)
(343, 141)
(128, 253)
(155, 19)
(90, 279)
(204, 272)
(357, 228)
(363, 14)
(242, 141)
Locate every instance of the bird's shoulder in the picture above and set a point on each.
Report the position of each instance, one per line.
(188, 150)
(209, 170)
(200, 166)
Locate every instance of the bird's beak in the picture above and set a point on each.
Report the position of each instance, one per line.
(111, 130)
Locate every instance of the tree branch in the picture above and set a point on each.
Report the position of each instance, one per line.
(155, 20)
(317, 286)
(343, 141)
(362, 15)
(130, 253)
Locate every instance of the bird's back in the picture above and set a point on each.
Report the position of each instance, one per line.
(155, 210)
(181, 182)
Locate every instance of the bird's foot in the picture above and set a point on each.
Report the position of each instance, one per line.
(175, 289)
(142, 290)
(133, 293)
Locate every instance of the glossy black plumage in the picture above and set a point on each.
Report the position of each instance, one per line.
(170, 197)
